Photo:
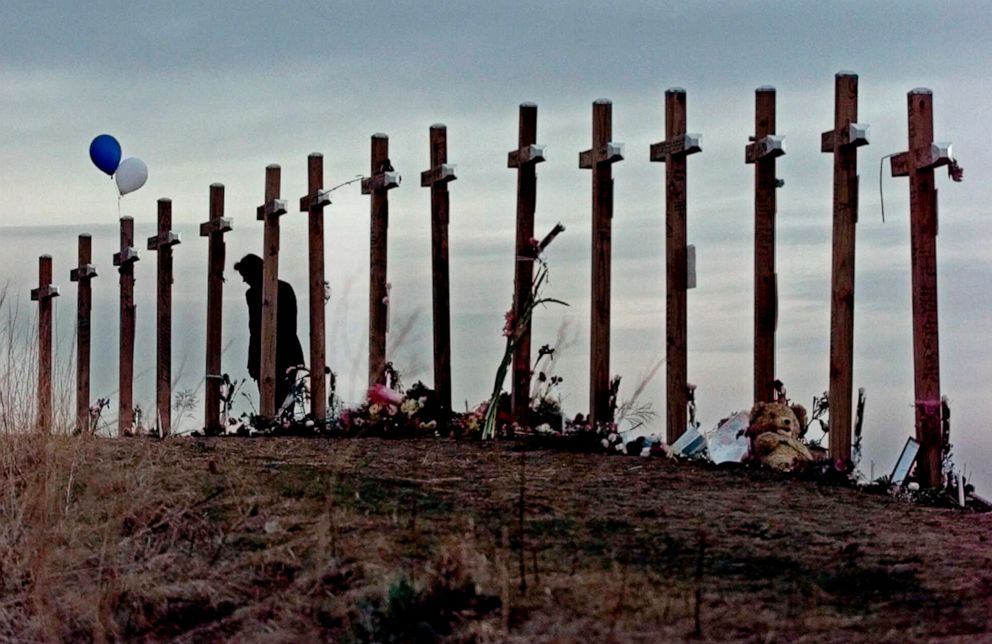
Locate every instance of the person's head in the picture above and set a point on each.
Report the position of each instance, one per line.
(250, 268)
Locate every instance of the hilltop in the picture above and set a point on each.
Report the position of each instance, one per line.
(376, 540)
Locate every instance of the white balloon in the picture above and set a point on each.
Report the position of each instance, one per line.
(131, 174)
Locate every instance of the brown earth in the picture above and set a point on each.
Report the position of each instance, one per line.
(415, 540)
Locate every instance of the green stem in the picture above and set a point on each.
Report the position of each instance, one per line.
(519, 326)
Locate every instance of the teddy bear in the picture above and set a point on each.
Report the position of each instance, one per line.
(774, 435)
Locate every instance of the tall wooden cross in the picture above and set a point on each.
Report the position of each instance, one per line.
(43, 296)
(82, 274)
(673, 152)
(918, 164)
(843, 141)
(213, 229)
(162, 243)
(525, 159)
(313, 203)
(437, 178)
(269, 213)
(124, 260)
(382, 179)
(600, 159)
(764, 148)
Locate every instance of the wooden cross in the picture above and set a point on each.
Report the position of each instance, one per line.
(437, 179)
(163, 243)
(673, 152)
(269, 212)
(85, 272)
(213, 229)
(600, 159)
(313, 203)
(383, 179)
(44, 294)
(525, 159)
(843, 141)
(918, 164)
(764, 148)
(124, 260)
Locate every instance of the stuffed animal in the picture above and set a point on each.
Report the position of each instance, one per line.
(774, 433)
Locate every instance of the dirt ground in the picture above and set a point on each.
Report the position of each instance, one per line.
(419, 540)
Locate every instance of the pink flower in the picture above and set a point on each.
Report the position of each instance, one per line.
(509, 324)
(383, 395)
(534, 246)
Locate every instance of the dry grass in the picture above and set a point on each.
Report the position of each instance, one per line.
(289, 540)
(373, 540)
(117, 540)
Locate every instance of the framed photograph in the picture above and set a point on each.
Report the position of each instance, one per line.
(905, 462)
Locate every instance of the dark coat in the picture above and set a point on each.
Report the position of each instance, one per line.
(289, 352)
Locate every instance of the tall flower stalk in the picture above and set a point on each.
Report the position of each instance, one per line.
(515, 327)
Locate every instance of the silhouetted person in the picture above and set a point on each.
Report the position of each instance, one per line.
(289, 352)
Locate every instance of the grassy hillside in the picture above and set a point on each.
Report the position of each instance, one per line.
(369, 540)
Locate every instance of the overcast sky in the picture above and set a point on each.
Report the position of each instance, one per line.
(213, 92)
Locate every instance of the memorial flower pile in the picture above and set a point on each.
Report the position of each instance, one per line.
(389, 412)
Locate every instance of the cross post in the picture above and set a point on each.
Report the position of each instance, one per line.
(269, 213)
(82, 274)
(313, 204)
(918, 163)
(843, 142)
(124, 261)
(524, 159)
(162, 243)
(437, 178)
(600, 159)
(673, 152)
(213, 229)
(43, 295)
(382, 179)
(764, 148)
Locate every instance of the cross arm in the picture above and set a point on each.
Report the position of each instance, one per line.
(317, 199)
(770, 146)
(532, 153)
(683, 144)
(220, 225)
(608, 153)
(854, 135)
(164, 240)
(126, 256)
(382, 181)
(274, 208)
(928, 156)
(44, 292)
(443, 173)
(85, 271)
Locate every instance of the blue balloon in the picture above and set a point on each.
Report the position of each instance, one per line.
(105, 152)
